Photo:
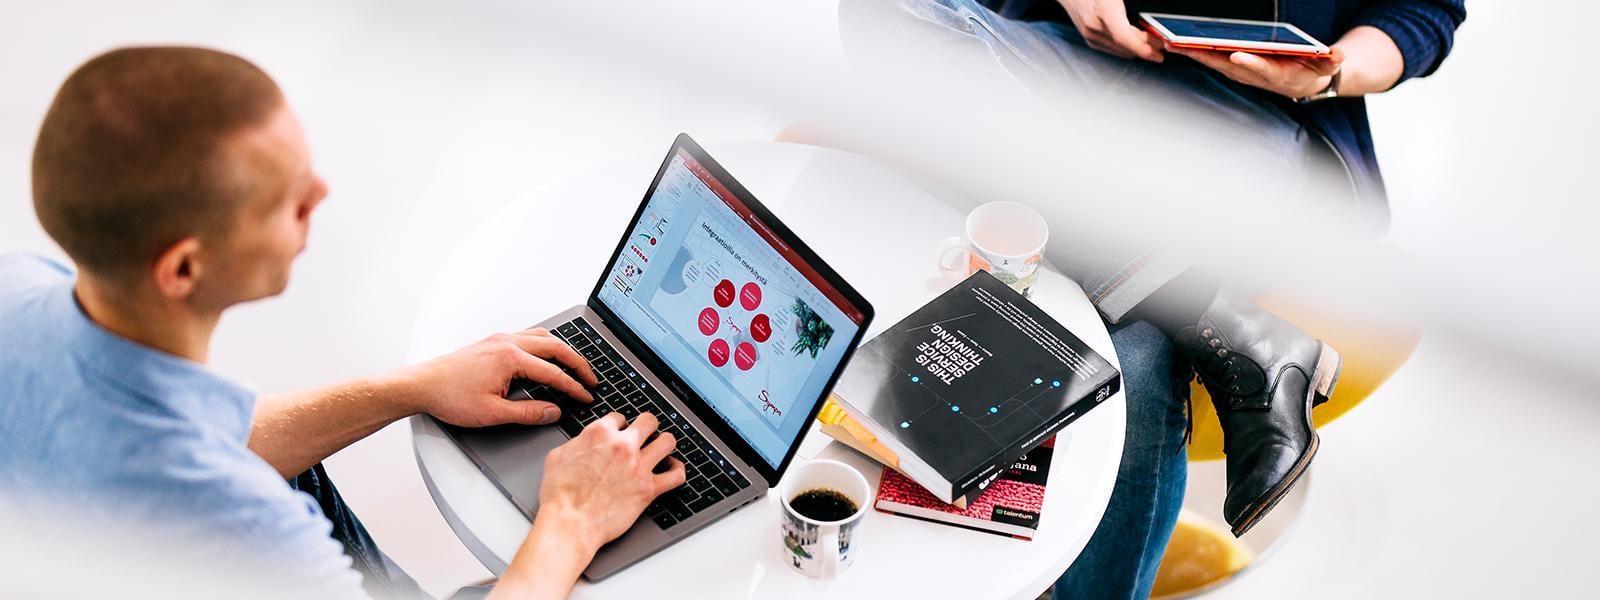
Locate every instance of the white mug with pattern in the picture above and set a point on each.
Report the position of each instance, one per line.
(821, 549)
(1004, 238)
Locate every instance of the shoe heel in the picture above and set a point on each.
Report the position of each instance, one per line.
(1326, 374)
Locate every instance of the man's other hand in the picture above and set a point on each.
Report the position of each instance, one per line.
(594, 488)
(1105, 27)
(597, 484)
(468, 387)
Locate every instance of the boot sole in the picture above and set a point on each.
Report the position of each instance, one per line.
(1323, 379)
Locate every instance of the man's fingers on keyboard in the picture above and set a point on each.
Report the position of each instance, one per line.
(672, 478)
(643, 425)
(564, 354)
(542, 371)
(612, 421)
(538, 331)
(552, 349)
(658, 449)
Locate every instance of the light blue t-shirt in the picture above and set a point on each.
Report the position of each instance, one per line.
(106, 434)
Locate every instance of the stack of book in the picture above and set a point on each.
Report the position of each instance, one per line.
(950, 397)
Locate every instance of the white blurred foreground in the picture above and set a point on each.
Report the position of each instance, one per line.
(1464, 476)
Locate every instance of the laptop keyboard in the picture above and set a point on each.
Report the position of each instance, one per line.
(710, 476)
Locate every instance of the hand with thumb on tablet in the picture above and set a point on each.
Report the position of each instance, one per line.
(1276, 57)
(1289, 76)
(1280, 58)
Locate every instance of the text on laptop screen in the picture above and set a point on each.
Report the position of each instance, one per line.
(735, 312)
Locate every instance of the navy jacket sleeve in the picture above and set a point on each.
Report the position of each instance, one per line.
(1423, 29)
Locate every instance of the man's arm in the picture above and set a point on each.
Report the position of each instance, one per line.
(1422, 31)
(1372, 62)
(295, 431)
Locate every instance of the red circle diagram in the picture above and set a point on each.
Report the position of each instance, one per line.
(718, 352)
(724, 294)
(745, 356)
(709, 321)
(750, 296)
(761, 328)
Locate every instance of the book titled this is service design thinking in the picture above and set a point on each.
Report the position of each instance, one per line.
(970, 382)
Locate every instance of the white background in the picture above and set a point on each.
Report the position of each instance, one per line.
(1470, 474)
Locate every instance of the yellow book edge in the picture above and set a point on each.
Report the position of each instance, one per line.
(839, 425)
(844, 428)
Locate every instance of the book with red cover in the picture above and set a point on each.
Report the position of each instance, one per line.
(1010, 506)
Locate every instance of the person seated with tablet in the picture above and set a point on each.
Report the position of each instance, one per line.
(179, 182)
(1271, 82)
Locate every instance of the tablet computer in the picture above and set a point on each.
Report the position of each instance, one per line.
(1259, 37)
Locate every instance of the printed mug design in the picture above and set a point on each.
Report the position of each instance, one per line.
(821, 549)
(1018, 272)
(802, 541)
(1004, 238)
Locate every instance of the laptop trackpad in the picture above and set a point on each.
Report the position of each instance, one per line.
(515, 456)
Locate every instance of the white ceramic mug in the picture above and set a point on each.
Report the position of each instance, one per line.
(1004, 238)
(821, 549)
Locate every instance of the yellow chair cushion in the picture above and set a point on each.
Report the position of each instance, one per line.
(1199, 554)
(1371, 352)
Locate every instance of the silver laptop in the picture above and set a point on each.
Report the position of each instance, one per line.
(711, 315)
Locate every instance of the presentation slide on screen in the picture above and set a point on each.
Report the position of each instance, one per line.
(727, 310)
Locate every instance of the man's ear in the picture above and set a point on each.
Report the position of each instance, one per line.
(177, 269)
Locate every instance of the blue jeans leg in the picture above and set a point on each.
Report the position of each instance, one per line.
(1122, 556)
(381, 577)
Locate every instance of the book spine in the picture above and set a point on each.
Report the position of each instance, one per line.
(971, 486)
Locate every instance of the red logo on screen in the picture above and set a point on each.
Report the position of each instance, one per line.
(750, 296)
(724, 294)
(709, 321)
(761, 328)
(745, 356)
(718, 352)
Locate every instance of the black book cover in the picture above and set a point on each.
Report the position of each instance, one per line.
(973, 380)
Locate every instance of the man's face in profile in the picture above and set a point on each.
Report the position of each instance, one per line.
(252, 259)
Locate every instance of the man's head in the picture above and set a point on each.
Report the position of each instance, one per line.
(176, 171)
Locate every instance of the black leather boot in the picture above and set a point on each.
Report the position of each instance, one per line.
(1264, 375)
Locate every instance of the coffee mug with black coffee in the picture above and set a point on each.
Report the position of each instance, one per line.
(823, 503)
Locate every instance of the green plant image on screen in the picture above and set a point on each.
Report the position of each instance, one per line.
(812, 333)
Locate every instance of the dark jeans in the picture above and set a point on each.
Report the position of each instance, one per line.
(1122, 556)
(380, 576)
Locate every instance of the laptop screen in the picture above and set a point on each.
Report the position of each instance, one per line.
(735, 312)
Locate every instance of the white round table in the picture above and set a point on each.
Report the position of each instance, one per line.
(543, 253)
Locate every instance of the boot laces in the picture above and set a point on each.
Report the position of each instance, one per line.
(1215, 360)
(1234, 374)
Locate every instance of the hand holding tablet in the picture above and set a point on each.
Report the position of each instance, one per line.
(1276, 57)
(1256, 37)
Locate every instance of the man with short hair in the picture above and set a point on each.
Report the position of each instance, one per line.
(179, 182)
